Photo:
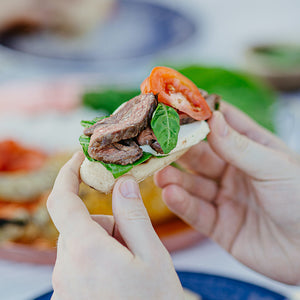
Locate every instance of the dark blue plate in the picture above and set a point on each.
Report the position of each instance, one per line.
(213, 287)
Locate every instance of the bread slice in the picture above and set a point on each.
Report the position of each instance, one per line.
(97, 176)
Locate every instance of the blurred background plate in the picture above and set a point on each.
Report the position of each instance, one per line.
(147, 29)
(40, 110)
(174, 234)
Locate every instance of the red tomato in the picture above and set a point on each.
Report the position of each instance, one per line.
(174, 89)
(14, 157)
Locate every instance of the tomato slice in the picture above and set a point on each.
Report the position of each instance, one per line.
(14, 157)
(174, 89)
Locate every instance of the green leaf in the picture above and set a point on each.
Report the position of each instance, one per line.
(87, 124)
(118, 170)
(250, 94)
(84, 142)
(166, 124)
(108, 100)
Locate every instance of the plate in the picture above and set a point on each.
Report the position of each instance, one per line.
(174, 234)
(40, 103)
(137, 29)
(214, 287)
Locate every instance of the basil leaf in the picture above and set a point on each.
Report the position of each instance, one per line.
(144, 158)
(87, 124)
(165, 124)
(116, 170)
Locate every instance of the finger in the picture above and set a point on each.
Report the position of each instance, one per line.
(195, 211)
(193, 184)
(202, 160)
(66, 209)
(132, 219)
(54, 296)
(254, 159)
(106, 222)
(68, 178)
(246, 126)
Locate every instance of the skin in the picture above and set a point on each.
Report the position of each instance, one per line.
(107, 257)
(242, 189)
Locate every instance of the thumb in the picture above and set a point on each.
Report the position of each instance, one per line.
(253, 158)
(132, 218)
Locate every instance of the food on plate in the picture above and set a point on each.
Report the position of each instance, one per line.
(148, 132)
(99, 203)
(74, 17)
(26, 175)
(26, 222)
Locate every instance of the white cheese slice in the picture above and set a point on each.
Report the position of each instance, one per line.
(189, 135)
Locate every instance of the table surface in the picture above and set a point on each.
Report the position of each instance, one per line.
(25, 281)
(218, 21)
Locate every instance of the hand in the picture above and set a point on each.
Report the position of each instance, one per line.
(107, 257)
(243, 192)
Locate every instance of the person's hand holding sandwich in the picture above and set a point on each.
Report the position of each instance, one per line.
(241, 188)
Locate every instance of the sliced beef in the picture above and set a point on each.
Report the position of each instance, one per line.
(157, 147)
(127, 123)
(185, 119)
(147, 137)
(123, 153)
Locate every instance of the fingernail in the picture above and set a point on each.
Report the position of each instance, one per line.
(129, 189)
(222, 127)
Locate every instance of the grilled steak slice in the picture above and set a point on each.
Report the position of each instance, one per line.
(157, 147)
(127, 123)
(147, 137)
(90, 130)
(123, 153)
(185, 119)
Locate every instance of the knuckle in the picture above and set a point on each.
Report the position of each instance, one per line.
(137, 213)
(189, 212)
(241, 142)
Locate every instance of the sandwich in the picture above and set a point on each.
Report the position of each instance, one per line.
(26, 176)
(148, 132)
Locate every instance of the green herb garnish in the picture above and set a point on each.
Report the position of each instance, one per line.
(165, 124)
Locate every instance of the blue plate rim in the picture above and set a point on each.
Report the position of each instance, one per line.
(203, 274)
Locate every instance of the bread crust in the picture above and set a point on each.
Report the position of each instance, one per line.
(98, 177)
